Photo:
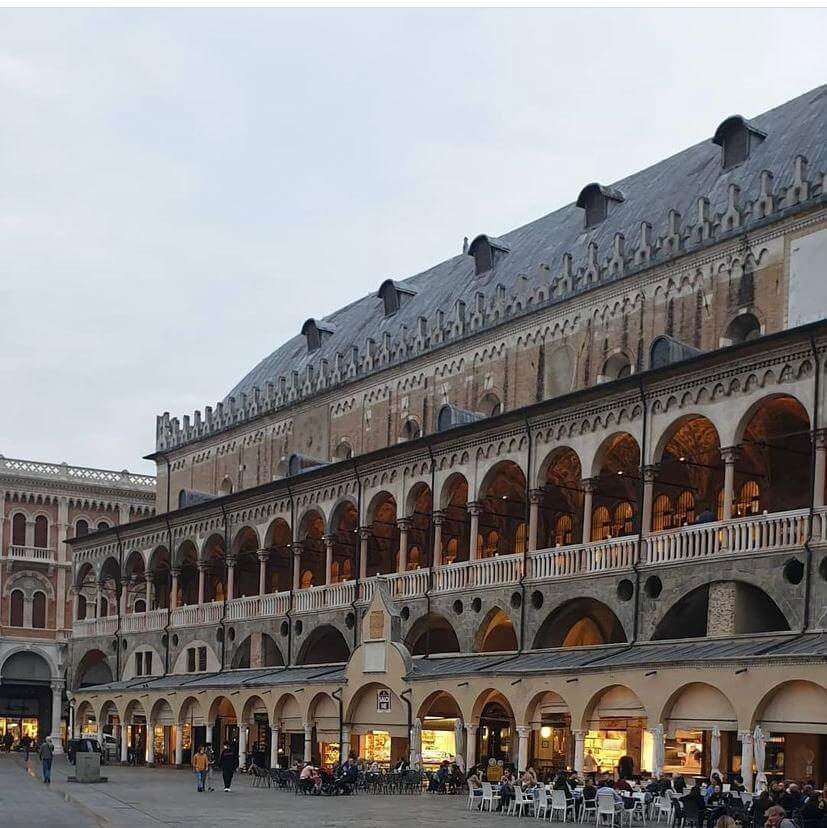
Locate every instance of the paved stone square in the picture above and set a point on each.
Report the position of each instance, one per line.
(140, 797)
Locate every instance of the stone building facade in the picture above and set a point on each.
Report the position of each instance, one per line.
(41, 506)
(555, 495)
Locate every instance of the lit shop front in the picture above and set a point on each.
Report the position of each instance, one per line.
(379, 726)
(617, 729)
(442, 733)
(496, 733)
(551, 748)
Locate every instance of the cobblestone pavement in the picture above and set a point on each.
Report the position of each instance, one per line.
(142, 797)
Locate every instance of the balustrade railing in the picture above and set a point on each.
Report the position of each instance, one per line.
(583, 559)
(406, 585)
(274, 604)
(195, 615)
(243, 609)
(95, 626)
(484, 572)
(34, 554)
(144, 621)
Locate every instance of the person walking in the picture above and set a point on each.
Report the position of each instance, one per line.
(200, 764)
(210, 763)
(47, 754)
(228, 762)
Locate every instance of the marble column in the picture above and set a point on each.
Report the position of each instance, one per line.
(124, 743)
(365, 533)
(475, 510)
(328, 557)
(404, 525)
(298, 548)
(650, 474)
(471, 745)
(202, 576)
(820, 471)
(535, 498)
(589, 488)
(274, 746)
(148, 584)
(308, 741)
(746, 758)
(263, 556)
(57, 712)
(729, 455)
(579, 750)
(524, 734)
(438, 519)
(150, 744)
(173, 590)
(179, 746)
(230, 578)
(242, 745)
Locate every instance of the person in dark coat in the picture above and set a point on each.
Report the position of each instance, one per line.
(228, 761)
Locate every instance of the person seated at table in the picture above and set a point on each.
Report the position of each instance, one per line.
(678, 783)
(714, 804)
(624, 785)
(439, 780)
(791, 799)
(608, 789)
(402, 765)
(589, 791)
(506, 790)
(626, 767)
(737, 784)
(529, 778)
(777, 817)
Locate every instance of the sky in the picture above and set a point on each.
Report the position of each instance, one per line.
(181, 189)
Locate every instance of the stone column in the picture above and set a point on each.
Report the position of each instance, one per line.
(746, 758)
(589, 488)
(57, 711)
(475, 510)
(298, 548)
(148, 579)
(124, 595)
(729, 455)
(535, 498)
(173, 594)
(124, 743)
(438, 519)
(202, 573)
(179, 746)
(579, 752)
(471, 745)
(328, 558)
(344, 748)
(263, 556)
(404, 525)
(820, 471)
(242, 745)
(75, 606)
(29, 533)
(308, 741)
(365, 533)
(650, 474)
(524, 734)
(230, 578)
(150, 744)
(274, 746)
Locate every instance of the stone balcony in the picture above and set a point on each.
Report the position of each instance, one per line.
(742, 536)
(31, 554)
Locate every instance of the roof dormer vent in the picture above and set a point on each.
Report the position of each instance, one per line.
(394, 295)
(487, 252)
(736, 137)
(316, 331)
(596, 200)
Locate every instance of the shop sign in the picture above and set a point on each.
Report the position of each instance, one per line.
(383, 701)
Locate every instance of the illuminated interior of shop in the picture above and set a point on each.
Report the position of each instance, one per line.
(439, 741)
(551, 744)
(620, 738)
(375, 746)
(18, 727)
(683, 753)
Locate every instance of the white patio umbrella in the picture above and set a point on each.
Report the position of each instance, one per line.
(416, 742)
(759, 747)
(715, 749)
(459, 743)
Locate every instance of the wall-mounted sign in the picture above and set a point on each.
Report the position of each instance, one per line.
(383, 701)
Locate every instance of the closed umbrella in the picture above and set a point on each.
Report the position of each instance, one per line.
(416, 742)
(459, 730)
(715, 749)
(759, 746)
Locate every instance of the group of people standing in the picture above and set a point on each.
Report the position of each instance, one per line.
(203, 762)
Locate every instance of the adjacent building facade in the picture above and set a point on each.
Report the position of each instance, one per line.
(560, 496)
(41, 506)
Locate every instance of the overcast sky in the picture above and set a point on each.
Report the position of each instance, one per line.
(179, 190)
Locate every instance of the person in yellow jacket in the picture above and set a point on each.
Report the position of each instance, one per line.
(200, 764)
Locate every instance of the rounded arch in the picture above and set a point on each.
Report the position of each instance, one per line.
(93, 668)
(85, 576)
(793, 706)
(496, 633)
(252, 706)
(383, 545)
(287, 713)
(439, 703)
(246, 539)
(29, 665)
(261, 651)
(618, 454)
(431, 634)
(222, 707)
(213, 559)
(343, 515)
(324, 645)
(364, 718)
(580, 622)
(490, 405)
(454, 491)
(344, 451)
(617, 366)
(134, 709)
(191, 711)
(226, 486)
(743, 328)
(615, 701)
(495, 733)
(754, 611)
(615, 471)
(161, 713)
(546, 706)
(410, 430)
(560, 504)
(698, 706)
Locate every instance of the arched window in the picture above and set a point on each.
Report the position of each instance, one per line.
(102, 524)
(519, 539)
(749, 500)
(490, 405)
(563, 531)
(18, 530)
(140, 606)
(410, 431)
(623, 520)
(16, 609)
(684, 509)
(226, 486)
(600, 524)
(39, 610)
(616, 367)
(343, 451)
(41, 532)
(104, 608)
(661, 514)
(81, 607)
(743, 328)
(81, 528)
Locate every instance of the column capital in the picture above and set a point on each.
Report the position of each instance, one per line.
(298, 548)
(579, 734)
(523, 730)
(365, 532)
(175, 572)
(57, 684)
(403, 524)
(201, 565)
(535, 496)
(745, 736)
(263, 555)
(475, 508)
(438, 518)
(329, 539)
(308, 728)
(821, 438)
(589, 484)
(274, 728)
(471, 728)
(729, 454)
(650, 473)
(230, 560)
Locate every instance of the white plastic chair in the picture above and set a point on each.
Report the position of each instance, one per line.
(726, 787)
(639, 810)
(607, 807)
(589, 809)
(662, 806)
(542, 803)
(488, 796)
(520, 802)
(559, 804)
(474, 798)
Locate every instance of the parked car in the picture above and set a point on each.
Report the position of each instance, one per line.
(82, 745)
(110, 747)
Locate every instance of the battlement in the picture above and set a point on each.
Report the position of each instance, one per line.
(64, 473)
